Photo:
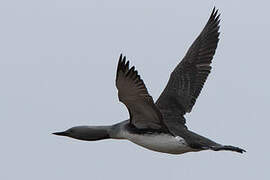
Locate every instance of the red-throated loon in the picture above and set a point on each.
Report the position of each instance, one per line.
(161, 126)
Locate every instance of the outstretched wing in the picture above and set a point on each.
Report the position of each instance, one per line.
(132, 92)
(188, 78)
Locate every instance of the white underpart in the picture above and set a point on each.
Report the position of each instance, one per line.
(160, 142)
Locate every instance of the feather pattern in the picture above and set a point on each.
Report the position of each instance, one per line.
(188, 78)
(132, 92)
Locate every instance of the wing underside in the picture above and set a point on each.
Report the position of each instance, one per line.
(133, 93)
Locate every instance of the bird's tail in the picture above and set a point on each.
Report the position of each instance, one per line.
(227, 148)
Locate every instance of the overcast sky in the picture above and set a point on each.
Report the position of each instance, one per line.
(57, 70)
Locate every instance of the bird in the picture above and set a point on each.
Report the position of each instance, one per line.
(161, 126)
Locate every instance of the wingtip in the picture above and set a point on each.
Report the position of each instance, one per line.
(123, 64)
(119, 61)
(215, 10)
(214, 18)
(215, 13)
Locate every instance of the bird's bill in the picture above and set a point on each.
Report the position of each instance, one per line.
(60, 133)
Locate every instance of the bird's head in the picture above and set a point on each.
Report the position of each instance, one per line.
(86, 133)
(72, 132)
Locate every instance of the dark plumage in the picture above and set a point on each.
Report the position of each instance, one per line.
(132, 92)
(189, 76)
(161, 126)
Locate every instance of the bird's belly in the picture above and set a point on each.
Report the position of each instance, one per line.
(161, 142)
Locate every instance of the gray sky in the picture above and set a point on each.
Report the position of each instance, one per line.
(57, 70)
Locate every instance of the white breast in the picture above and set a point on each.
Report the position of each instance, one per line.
(160, 142)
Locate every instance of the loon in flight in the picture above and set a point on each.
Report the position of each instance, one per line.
(160, 126)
